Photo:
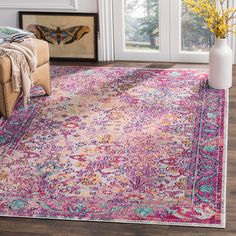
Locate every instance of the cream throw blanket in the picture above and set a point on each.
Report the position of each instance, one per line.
(24, 62)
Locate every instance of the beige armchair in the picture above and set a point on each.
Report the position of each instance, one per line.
(40, 77)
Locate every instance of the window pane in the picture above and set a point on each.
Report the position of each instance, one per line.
(195, 34)
(141, 24)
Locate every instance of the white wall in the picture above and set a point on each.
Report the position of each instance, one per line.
(9, 8)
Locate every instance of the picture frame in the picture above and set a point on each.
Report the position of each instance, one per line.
(71, 36)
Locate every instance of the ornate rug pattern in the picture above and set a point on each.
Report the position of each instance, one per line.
(118, 145)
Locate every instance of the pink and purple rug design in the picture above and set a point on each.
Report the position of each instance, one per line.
(118, 145)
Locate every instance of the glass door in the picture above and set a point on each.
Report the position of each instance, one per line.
(141, 30)
(159, 30)
(190, 39)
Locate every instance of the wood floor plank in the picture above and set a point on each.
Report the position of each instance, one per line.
(38, 227)
(7, 233)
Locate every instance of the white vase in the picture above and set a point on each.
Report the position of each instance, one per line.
(220, 65)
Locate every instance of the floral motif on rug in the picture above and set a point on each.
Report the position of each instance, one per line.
(118, 145)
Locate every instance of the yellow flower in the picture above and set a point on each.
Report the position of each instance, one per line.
(216, 18)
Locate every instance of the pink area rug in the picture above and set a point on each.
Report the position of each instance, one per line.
(118, 145)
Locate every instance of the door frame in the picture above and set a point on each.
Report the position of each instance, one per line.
(106, 31)
(177, 55)
(121, 53)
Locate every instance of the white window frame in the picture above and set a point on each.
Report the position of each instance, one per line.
(177, 55)
(107, 35)
(121, 53)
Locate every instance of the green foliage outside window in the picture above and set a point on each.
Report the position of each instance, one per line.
(143, 31)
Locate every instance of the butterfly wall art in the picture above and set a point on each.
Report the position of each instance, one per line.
(69, 35)
(58, 34)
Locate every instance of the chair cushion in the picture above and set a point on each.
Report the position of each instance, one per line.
(42, 53)
(5, 69)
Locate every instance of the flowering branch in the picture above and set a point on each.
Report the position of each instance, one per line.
(217, 19)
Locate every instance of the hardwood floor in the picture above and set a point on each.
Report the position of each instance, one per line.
(36, 227)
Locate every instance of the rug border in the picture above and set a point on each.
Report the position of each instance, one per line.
(225, 158)
(157, 223)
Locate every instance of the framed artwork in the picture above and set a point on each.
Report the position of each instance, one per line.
(71, 36)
